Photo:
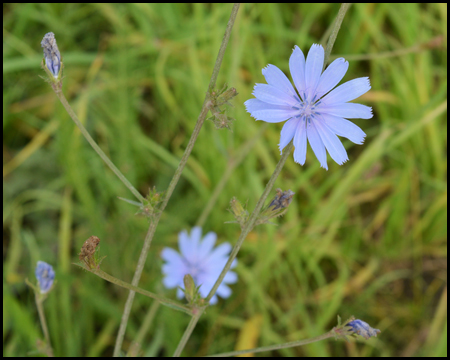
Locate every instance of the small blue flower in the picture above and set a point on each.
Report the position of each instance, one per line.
(362, 328)
(201, 261)
(45, 276)
(312, 115)
(51, 54)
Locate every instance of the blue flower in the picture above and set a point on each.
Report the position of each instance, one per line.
(51, 54)
(201, 261)
(310, 114)
(45, 276)
(362, 328)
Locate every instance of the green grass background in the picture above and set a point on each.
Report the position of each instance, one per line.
(366, 239)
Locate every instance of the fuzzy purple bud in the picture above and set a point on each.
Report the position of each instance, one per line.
(362, 328)
(51, 54)
(45, 276)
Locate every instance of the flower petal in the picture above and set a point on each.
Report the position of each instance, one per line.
(300, 142)
(206, 245)
(331, 76)
(297, 68)
(230, 277)
(269, 112)
(317, 144)
(346, 110)
(170, 255)
(344, 128)
(347, 91)
(272, 95)
(219, 254)
(275, 77)
(187, 244)
(313, 69)
(223, 291)
(288, 132)
(332, 143)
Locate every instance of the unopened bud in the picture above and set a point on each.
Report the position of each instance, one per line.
(227, 95)
(240, 214)
(282, 199)
(51, 54)
(277, 207)
(189, 288)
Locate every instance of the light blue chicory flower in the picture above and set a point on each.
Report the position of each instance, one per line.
(201, 261)
(362, 328)
(312, 115)
(51, 54)
(45, 276)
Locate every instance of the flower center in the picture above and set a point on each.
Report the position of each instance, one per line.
(194, 269)
(307, 109)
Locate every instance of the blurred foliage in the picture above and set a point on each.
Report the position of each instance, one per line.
(366, 239)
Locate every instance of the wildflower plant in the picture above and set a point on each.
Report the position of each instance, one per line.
(45, 276)
(199, 271)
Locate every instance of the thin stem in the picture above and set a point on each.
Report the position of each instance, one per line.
(251, 222)
(336, 26)
(279, 346)
(40, 308)
(187, 333)
(173, 183)
(249, 226)
(147, 323)
(163, 300)
(94, 145)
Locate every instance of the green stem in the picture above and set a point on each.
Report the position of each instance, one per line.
(336, 26)
(94, 145)
(278, 347)
(163, 300)
(39, 302)
(173, 183)
(251, 222)
(187, 333)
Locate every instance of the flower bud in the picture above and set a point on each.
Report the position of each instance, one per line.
(277, 207)
(240, 214)
(189, 288)
(281, 200)
(363, 329)
(51, 54)
(45, 276)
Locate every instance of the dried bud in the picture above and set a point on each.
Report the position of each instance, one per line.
(277, 207)
(282, 199)
(87, 254)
